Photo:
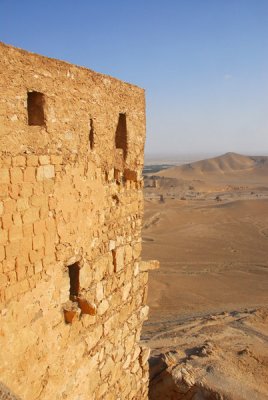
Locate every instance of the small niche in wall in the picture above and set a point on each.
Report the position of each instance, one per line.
(74, 270)
(91, 135)
(35, 107)
(115, 199)
(121, 134)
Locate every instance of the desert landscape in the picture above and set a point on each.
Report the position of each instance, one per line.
(134, 200)
(207, 224)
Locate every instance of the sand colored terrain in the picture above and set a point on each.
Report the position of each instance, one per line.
(218, 357)
(207, 224)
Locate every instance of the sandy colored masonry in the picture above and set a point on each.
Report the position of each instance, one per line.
(72, 293)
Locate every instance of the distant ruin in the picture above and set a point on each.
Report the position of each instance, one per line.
(72, 285)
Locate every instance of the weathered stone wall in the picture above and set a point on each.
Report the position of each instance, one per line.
(70, 197)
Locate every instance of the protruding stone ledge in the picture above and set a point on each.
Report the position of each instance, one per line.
(73, 309)
(144, 312)
(86, 307)
(131, 175)
(70, 311)
(144, 355)
(149, 265)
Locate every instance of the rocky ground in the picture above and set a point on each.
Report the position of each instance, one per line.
(220, 356)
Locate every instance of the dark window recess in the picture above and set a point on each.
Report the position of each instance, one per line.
(35, 106)
(114, 259)
(91, 135)
(121, 134)
(74, 280)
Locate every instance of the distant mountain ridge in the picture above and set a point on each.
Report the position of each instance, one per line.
(229, 163)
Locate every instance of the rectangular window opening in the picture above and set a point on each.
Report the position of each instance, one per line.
(35, 107)
(74, 270)
(91, 135)
(121, 134)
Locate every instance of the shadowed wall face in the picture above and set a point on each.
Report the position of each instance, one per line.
(72, 290)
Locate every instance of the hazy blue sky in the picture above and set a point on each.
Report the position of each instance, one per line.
(203, 63)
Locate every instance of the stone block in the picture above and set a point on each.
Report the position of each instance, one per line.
(112, 245)
(27, 230)
(39, 227)
(23, 286)
(11, 291)
(107, 368)
(11, 277)
(127, 362)
(32, 160)
(9, 264)
(39, 200)
(45, 172)
(36, 255)
(93, 337)
(56, 160)
(17, 219)
(136, 250)
(38, 267)
(13, 249)
(102, 389)
(136, 269)
(110, 324)
(15, 233)
(103, 307)
(15, 190)
(19, 161)
(149, 265)
(3, 190)
(144, 355)
(88, 320)
(125, 291)
(44, 160)
(4, 175)
(129, 344)
(21, 269)
(38, 242)
(22, 204)
(9, 206)
(3, 236)
(144, 313)
(135, 367)
(31, 215)
(99, 291)
(136, 353)
(26, 190)
(29, 174)
(16, 175)
(118, 258)
(101, 268)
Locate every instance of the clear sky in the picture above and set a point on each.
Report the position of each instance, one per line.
(203, 63)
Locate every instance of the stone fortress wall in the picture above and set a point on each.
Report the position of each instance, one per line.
(72, 285)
